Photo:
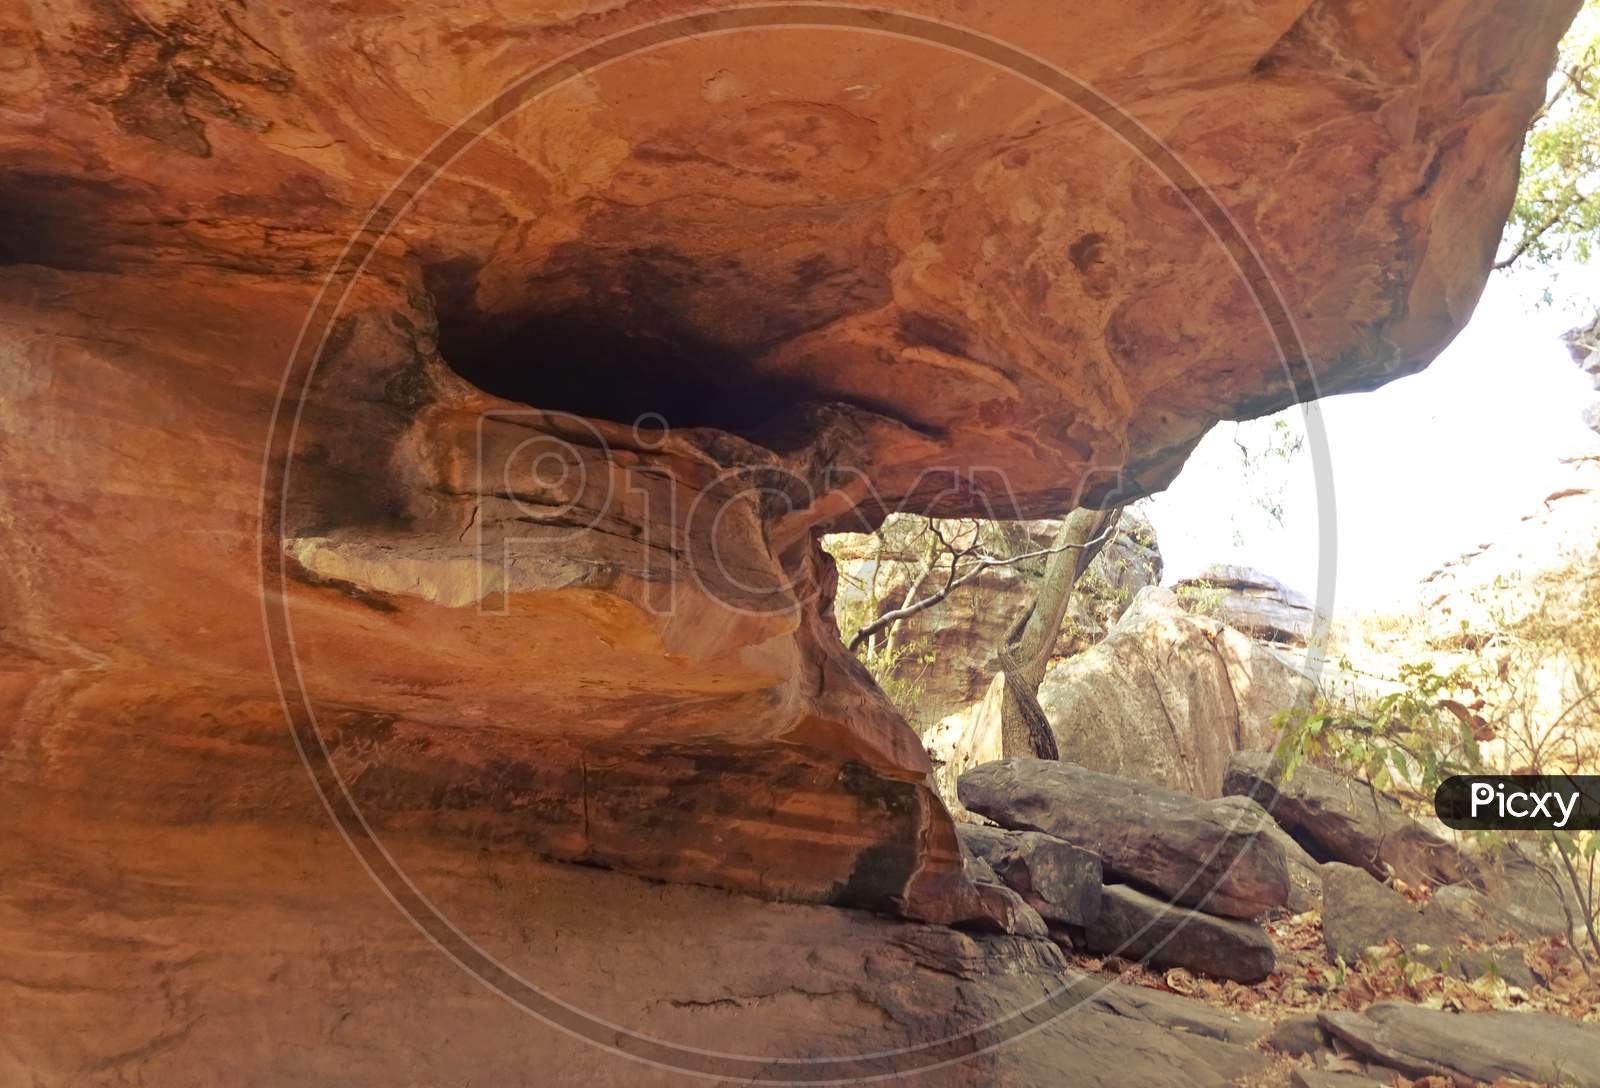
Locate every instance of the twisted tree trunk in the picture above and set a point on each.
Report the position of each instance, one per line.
(1024, 730)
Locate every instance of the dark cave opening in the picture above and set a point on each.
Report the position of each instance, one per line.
(600, 367)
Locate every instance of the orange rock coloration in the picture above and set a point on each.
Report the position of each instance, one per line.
(852, 261)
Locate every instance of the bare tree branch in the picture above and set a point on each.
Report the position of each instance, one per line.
(982, 562)
(1553, 220)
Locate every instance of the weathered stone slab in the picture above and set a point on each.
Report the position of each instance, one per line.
(1218, 855)
(1168, 1010)
(1483, 1046)
(1341, 819)
(1138, 927)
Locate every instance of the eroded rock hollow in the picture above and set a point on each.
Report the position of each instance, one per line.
(526, 468)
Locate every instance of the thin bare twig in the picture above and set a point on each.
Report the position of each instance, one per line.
(952, 583)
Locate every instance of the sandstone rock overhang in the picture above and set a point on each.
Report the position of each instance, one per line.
(811, 250)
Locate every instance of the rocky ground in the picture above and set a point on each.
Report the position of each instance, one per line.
(1382, 981)
(1382, 949)
(1195, 900)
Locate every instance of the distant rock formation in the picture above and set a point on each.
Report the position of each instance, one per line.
(1167, 696)
(1584, 344)
(1255, 603)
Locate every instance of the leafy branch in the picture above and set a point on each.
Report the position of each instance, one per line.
(1557, 213)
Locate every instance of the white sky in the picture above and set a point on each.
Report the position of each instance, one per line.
(1424, 469)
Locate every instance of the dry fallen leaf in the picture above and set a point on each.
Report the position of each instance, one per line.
(1305, 982)
(1180, 981)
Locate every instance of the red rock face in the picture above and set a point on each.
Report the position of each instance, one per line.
(851, 269)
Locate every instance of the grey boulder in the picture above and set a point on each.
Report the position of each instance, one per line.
(1340, 819)
(1055, 878)
(1136, 926)
(1218, 856)
(1168, 696)
(1483, 1046)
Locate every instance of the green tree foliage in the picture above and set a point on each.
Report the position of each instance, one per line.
(1557, 212)
(1522, 699)
(1419, 734)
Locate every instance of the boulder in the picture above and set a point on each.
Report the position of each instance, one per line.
(1136, 926)
(1358, 913)
(993, 907)
(1532, 896)
(1482, 1046)
(1168, 697)
(1340, 819)
(1214, 855)
(1003, 911)
(1475, 914)
(1058, 880)
(1255, 603)
(961, 741)
(976, 869)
